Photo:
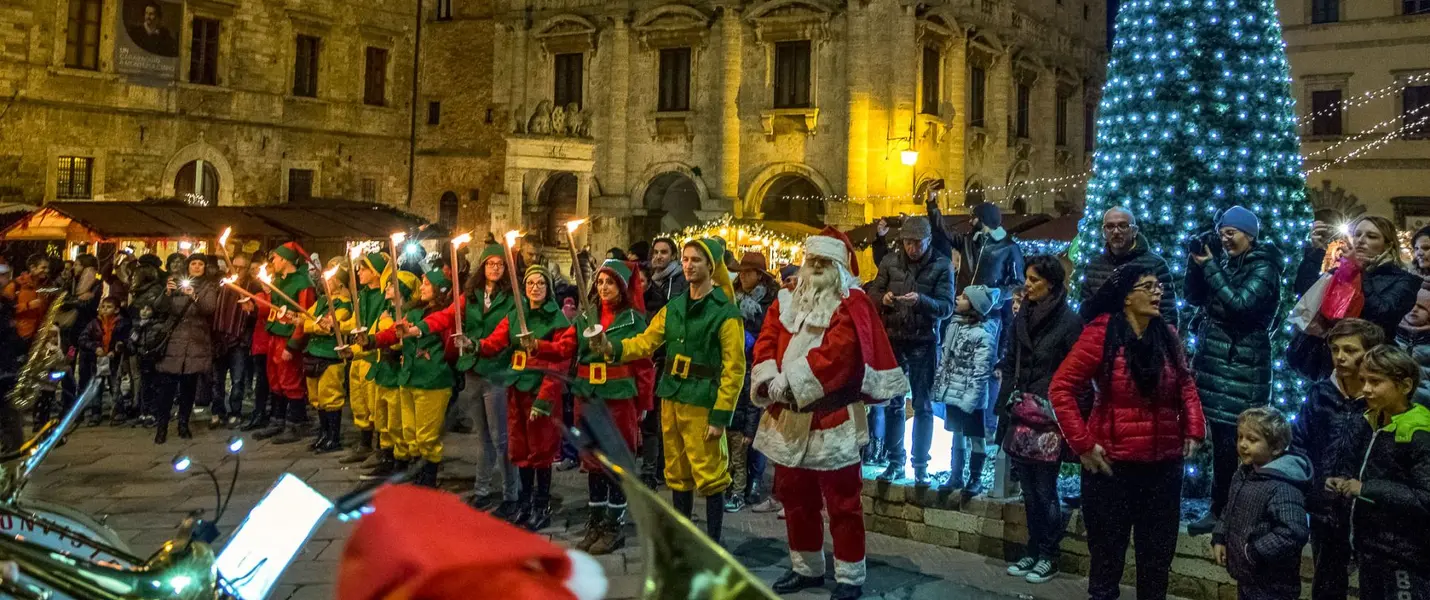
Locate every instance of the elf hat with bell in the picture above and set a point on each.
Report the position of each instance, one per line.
(291, 252)
(632, 289)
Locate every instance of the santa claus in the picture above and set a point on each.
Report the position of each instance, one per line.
(822, 355)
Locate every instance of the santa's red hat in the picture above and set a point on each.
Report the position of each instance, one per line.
(833, 245)
(422, 543)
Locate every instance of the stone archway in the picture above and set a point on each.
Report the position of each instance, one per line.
(448, 207)
(973, 194)
(199, 178)
(778, 178)
(672, 202)
(794, 198)
(211, 157)
(555, 205)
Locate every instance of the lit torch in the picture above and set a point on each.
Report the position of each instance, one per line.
(511, 238)
(267, 281)
(223, 244)
(333, 308)
(354, 251)
(397, 239)
(583, 287)
(229, 282)
(458, 313)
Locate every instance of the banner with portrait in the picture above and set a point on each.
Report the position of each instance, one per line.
(146, 40)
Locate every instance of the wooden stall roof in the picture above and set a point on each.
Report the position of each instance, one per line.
(311, 221)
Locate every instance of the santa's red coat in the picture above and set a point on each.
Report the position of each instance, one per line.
(830, 372)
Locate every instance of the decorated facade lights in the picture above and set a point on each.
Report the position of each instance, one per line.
(778, 248)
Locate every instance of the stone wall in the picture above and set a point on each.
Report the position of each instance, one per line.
(248, 125)
(998, 528)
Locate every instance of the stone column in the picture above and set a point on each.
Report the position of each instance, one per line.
(857, 161)
(907, 56)
(731, 49)
(619, 89)
(1000, 99)
(516, 202)
(956, 145)
(518, 70)
(583, 206)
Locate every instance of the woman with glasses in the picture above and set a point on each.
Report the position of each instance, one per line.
(1236, 285)
(1145, 418)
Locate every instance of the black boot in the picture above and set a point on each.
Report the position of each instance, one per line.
(792, 582)
(184, 432)
(428, 476)
(684, 503)
(714, 516)
(322, 438)
(277, 425)
(956, 464)
(161, 432)
(386, 466)
(332, 421)
(362, 450)
(523, 497)
(975, 475)
(541, 502)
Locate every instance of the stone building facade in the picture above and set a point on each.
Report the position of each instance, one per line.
(243, 102)
(1362, 75)
(789, 110)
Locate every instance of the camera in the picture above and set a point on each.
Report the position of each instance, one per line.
(1210, 239)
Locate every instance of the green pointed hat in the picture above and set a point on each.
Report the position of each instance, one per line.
(439, 280)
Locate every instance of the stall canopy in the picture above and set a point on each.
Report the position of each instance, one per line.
(311, 221)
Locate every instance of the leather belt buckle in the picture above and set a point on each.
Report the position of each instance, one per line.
(518, 360)
(680, 366)
(597, 374)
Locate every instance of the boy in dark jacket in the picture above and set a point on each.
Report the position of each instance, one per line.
(1390, 511)
(101, 348)
(1331, 432)
(1263, 529)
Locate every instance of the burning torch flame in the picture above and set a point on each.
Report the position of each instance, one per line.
(223, 239)
(461, 239)
(263, 274)
(398, 238)
(228, 280)
(511, 237)
(571, 226)
(328, 274)
(355, 251)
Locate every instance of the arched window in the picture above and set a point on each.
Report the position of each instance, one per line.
(447, 211)
(200, 178)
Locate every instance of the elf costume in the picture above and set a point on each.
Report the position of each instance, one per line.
(325, 370)
(533, 396)
(487, 378)
(285, 373)
(385, 374)
(704, 339)
(376, 315)
(626, 390)
(425, 381)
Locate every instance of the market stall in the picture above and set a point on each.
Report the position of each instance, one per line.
(780, 241)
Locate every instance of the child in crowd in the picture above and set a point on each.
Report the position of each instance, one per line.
(1390, 509)
(1414, 336)
(147, 337)
(963, 383)
(1331, 432)
(100, 352)
(1263, 529)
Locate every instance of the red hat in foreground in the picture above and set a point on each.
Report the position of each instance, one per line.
(424, 544)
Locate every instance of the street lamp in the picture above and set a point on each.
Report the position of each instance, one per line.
(909, 157)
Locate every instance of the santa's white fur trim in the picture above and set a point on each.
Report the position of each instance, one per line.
(850, 573)
(802, 382)
(809, 564)
(762, 374)
(820, 450)
(884, 385)
(824, 246)
(588, 580)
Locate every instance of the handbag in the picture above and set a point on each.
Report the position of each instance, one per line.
(1034, 434)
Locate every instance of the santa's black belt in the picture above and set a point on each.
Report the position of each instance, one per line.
(680, 365)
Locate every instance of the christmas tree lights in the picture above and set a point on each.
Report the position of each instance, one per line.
(1197, 116)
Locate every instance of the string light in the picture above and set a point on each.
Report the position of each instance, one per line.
(741, 237)
(1394, 135)
(1366, 98)
(1374, 129)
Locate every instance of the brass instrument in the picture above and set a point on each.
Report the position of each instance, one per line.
(180, 570)
(42, 357)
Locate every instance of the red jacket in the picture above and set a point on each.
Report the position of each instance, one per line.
(1122, 421)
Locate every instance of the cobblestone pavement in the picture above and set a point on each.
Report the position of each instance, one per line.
(120, 473)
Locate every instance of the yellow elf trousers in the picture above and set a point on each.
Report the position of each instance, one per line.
(362, 394)
(389, 421)
(325, 392)
(692, 462)
(423, 414)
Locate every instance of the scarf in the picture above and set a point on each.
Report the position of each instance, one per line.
(665, 274)
(1038, 312)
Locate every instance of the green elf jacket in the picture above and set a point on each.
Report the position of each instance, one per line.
(595, 378)
(298, 287)
(322, 344)
(705, 352)
(424, 358)
(556, 344)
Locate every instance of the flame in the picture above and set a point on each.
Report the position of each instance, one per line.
(355, 251)
(228, 280)
(74, 252)
(263, 274)
(511, 237)
(571, 226)
(223, 239)
(462, 239)
(328, 274)
(398, 237)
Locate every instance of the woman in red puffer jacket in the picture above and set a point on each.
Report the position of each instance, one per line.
(1146, 417)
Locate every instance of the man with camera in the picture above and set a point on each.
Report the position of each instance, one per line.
(1236, 287)
(1124, 245)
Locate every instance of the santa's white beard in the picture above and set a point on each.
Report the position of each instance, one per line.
(818, 296)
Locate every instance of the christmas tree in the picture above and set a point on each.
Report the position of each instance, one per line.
(1197, 116)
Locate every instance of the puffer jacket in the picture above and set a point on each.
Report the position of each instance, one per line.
(1331, 432)
(1390, 521)
(1125, 424)
(931, 278)
(1264, 527)
(1238, 297)
(966, 364)
(1389, 290)
(1038, 347)
(190, 348)
(1417, 343)
(1100, 268)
